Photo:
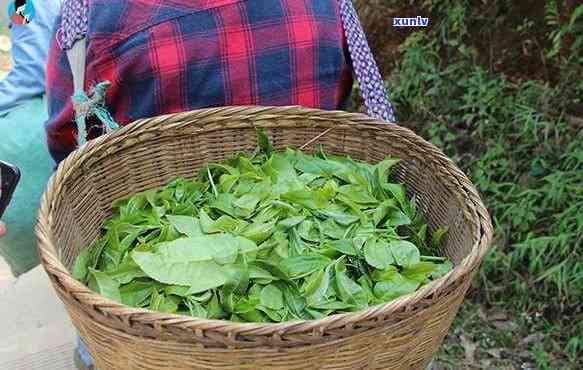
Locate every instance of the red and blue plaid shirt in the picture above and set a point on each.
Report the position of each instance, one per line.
(167, 56)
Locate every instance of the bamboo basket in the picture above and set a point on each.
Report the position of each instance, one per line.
(401, 334)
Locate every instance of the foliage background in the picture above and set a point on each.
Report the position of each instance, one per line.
(498, 85)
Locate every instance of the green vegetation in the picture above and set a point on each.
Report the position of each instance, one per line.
(499, 86)
(271, 238)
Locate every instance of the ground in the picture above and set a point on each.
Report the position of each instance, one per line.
(36, 331)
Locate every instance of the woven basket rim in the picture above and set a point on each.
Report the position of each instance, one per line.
(87, 298)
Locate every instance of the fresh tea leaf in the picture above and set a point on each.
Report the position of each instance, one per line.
(309, 199)
(405, 253)
(80, 268)
(438, 236)
(126, 272)
(101, 283)
(348, 290)
(271, 297)
(300, 266)
(266, 238)
(135, 293)
(343, 246)
(357, 194)
(186, 225)
(378, 254)
(395, 287)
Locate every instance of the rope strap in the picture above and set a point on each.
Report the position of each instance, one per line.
(94, 104)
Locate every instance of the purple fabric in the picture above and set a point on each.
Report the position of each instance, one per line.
(367, 72)
(73, 23)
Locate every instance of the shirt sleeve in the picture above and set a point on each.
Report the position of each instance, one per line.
(30, 45)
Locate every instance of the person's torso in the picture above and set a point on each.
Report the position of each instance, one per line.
(180, 55)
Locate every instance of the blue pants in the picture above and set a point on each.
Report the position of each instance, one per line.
(85, 356)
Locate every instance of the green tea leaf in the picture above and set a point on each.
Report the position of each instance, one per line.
(397, 218)
(367, 285)
(317, 166)
(294, 302)
(343, 246)
(332, 305)
(271, 297)
(420, 272)
(357, 194)
(254, 316)
(266, 238)
(259, 232)
(397, 191)
(442, 269)
(438, 236)
(308, 178)
(178, 290)
(378, 254)
(80, 268)
(214, 309)
(405, 253)
(225, 202)
(246, 305)
(309, 199)
(226, 182)
(331, 229)
(127, 271)
(386, 274)
(300, 266)
(257, 273)
(274, 315)
(222, 224)
(195, 262)
(196, 309)
(383, 170)
(263, 142)
(316, 288)
(395, 287)
(315, 314)
(186, 225)
(237, 279)
(307, 230)
(247, 202)
(136, 293)
(161, 303)
(348, 290)
(291, 222)
(101, 283)
(340, 217)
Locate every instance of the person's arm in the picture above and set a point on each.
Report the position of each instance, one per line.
(30, 45)
(2, 229)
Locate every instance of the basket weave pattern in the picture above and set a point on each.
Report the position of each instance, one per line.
(401, 334)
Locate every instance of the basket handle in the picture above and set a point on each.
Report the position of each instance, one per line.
(367, 72)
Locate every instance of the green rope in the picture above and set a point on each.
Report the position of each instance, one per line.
(94, 105)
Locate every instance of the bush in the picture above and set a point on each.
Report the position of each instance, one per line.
(518, 135)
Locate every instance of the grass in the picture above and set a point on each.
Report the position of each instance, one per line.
(518, 133)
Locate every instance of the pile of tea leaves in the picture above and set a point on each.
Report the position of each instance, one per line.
(271, 237)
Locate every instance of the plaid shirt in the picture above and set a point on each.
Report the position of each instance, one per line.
(167, 56)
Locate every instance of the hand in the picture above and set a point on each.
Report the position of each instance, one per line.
(2, 229)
